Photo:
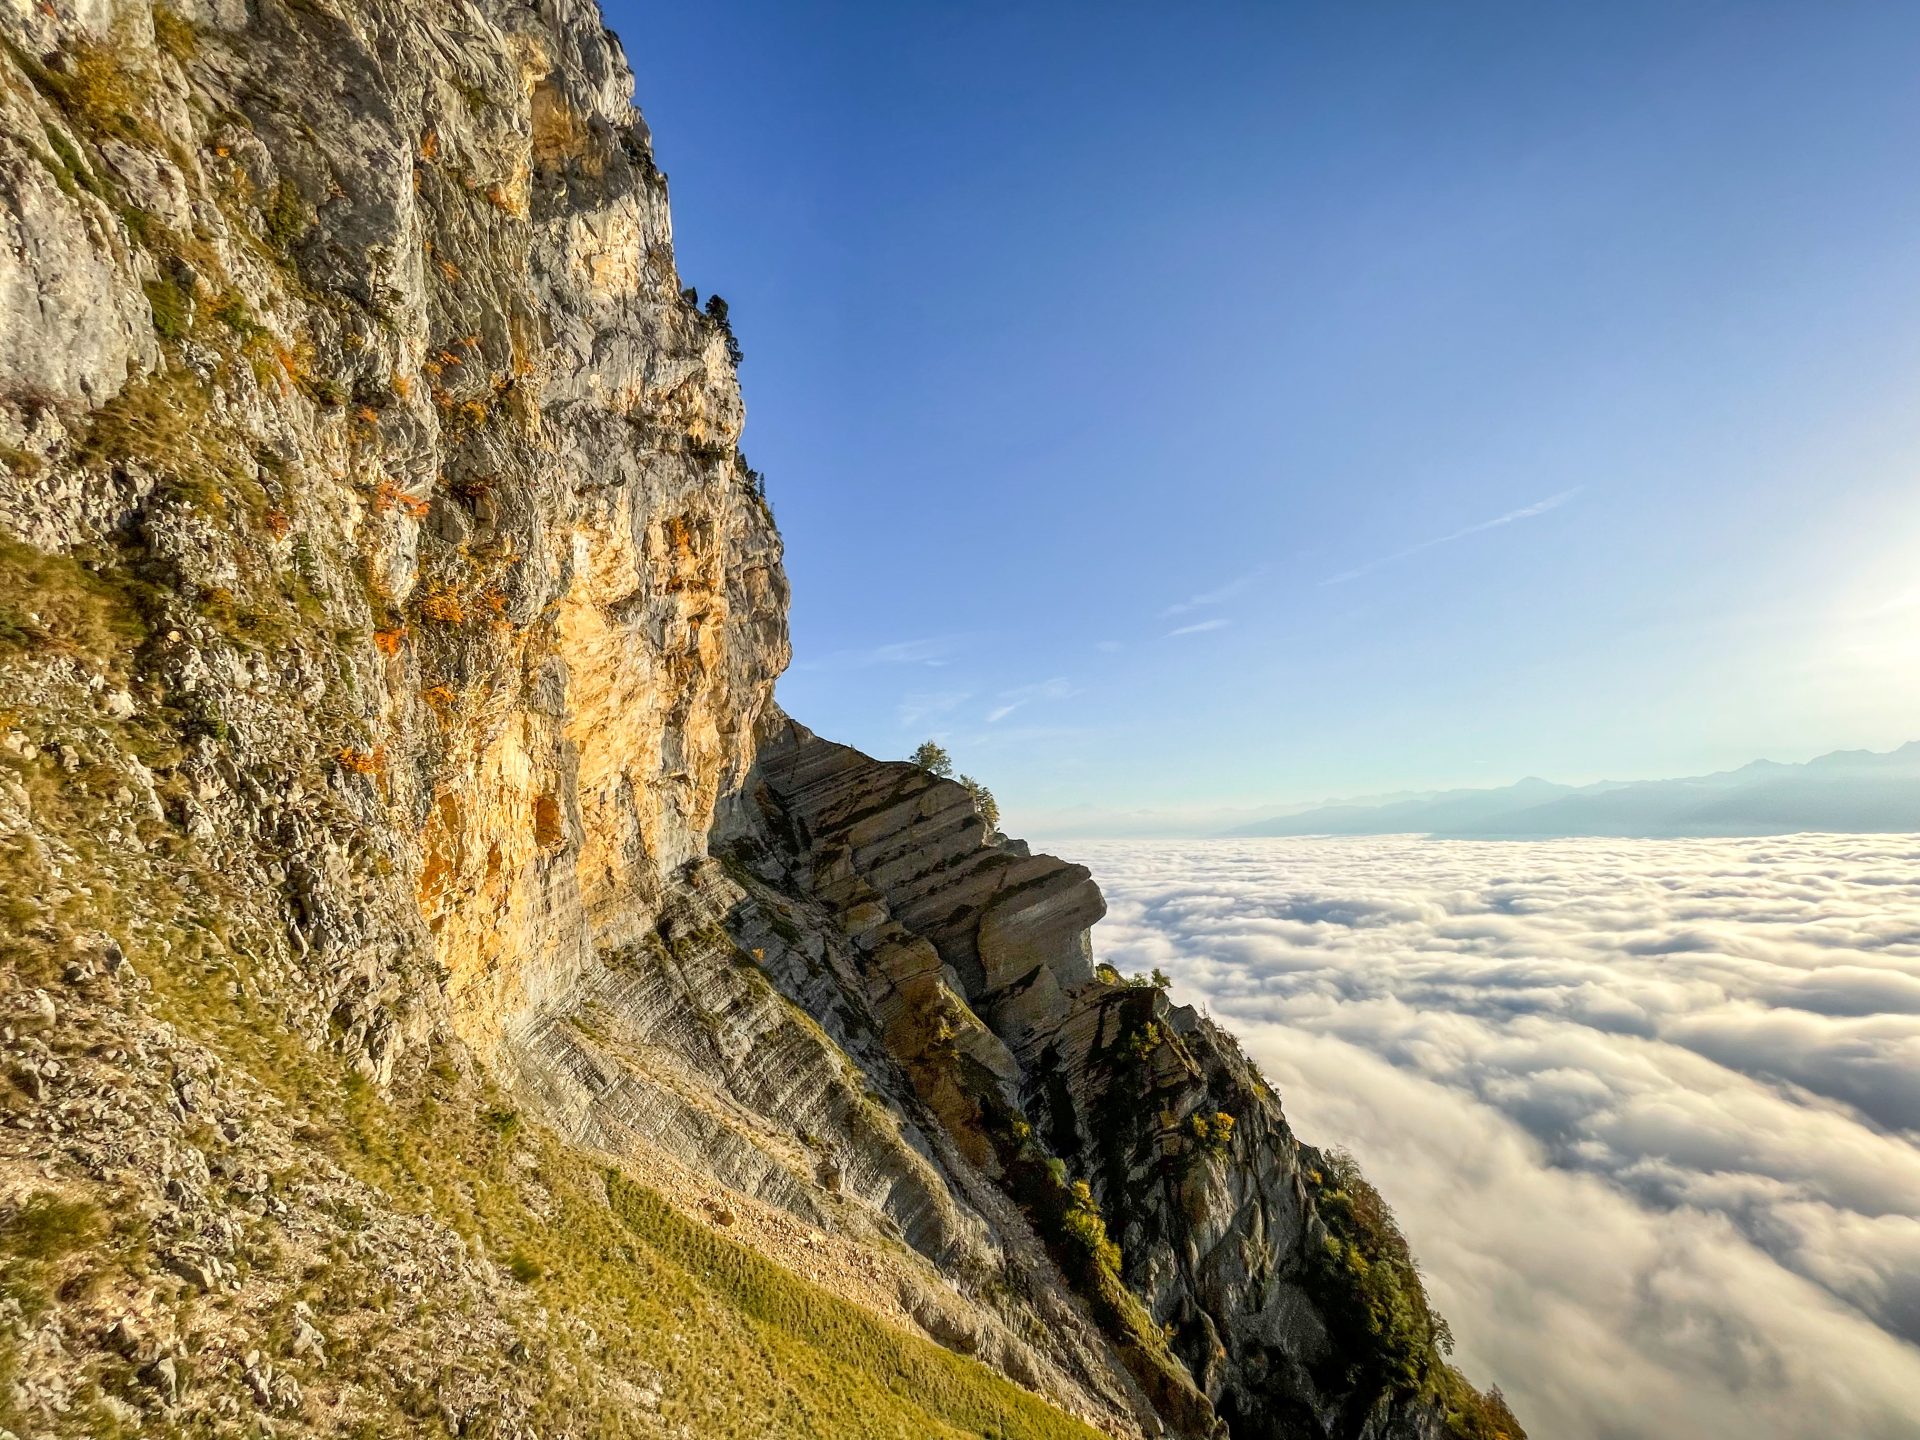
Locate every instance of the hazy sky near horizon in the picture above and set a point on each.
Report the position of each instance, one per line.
(1182, 406)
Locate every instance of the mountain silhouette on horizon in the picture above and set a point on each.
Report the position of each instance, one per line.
(1845, 791)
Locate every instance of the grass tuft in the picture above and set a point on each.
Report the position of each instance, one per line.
(52, 603)
(50, 1227)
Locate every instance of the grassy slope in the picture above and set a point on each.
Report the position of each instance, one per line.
(741, 1347)
(643, 1297)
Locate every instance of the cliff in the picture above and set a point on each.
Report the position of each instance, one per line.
(442, 993)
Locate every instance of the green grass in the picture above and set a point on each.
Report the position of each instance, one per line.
(285, 215)
(48, 1227)
(175, 35)
(739, 1347)
(166, 423)
(830, 1367)
(171, 309)
(51, 602)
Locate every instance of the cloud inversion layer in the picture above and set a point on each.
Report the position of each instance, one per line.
(1650, 1110)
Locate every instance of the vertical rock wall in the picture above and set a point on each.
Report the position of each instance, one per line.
(359, 328)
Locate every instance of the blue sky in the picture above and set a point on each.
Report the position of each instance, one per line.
(1184, 408)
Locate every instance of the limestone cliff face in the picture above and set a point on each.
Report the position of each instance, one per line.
(388, 630)
(405, 289)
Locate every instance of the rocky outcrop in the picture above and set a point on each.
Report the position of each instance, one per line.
(1036, 1054)
(441, 993)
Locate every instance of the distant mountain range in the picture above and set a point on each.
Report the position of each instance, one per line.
(1848, 790)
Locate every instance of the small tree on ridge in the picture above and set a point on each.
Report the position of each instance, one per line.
(984, 802)
(933, 758)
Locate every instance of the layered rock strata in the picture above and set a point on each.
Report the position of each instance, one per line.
(977, 958)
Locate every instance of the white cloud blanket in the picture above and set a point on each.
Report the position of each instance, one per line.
(1649, 1110)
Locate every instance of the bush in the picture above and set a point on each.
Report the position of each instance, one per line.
(983, 802)
(1143, 1042)
(933, 759)
(1473, 1415)
(1368, 1285)
(1214, 1132)
(751, 478)
(1084, 1226)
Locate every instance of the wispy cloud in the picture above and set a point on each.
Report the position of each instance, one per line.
(1058, 688)
(1525, 512)
(933, 650)
(923, 705)
(1002, 737)
(1108, 647)
(1199, 627)
(1219, 595)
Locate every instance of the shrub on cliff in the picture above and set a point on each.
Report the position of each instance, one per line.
(718, 313)
(984, 802)
(1472, 1415)
(1143, 1042)
(933, 759)
(1085, 1226)
(1368, 1285)
(1213, 1132)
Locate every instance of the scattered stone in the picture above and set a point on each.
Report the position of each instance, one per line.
(124, 1338)
(164, 1376)
(307, 1340)
(201, 1273)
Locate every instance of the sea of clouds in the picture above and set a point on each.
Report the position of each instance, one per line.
(1648, 1110)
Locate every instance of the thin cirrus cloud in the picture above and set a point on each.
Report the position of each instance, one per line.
(1525, 512)
(1648, 1109)
(932, 650)
(923, 705)
(1058, 688)
(1199, 627)
(1219, 595)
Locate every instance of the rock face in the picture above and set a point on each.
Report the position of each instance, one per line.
(404, 339)
(425, 941)
(1049, 1058)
